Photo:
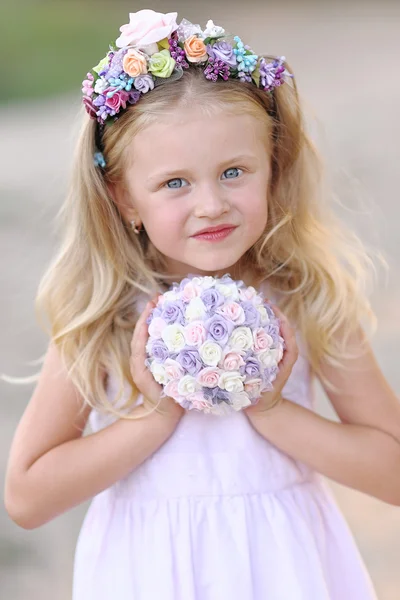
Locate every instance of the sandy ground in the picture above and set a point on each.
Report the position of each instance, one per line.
(346, 61)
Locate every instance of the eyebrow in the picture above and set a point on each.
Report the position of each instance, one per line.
(165, 175)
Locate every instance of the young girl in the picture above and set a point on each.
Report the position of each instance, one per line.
(202, 166)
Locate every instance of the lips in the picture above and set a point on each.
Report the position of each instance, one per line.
(215, 229)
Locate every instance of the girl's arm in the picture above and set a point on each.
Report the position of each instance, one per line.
(363, 451)
(53, 468)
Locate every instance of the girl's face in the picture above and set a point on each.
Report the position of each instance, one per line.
(191, 172)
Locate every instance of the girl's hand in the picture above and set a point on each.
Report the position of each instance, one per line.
(270, 399)
(141, 375)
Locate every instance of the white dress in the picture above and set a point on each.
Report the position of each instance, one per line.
(219, 513)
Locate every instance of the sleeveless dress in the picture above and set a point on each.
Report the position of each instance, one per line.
(219, 513)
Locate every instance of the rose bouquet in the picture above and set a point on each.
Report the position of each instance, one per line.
(214, 344)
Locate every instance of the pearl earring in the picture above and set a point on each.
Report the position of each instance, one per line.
(133, 226)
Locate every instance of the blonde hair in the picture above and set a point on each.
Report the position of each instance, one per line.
(319, 269)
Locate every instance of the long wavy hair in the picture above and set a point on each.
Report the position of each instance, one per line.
(319, 269)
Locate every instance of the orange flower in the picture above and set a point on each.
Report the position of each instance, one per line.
(134, 63)
(195, 50)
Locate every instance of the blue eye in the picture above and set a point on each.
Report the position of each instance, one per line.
(232, 173)
(175, 184)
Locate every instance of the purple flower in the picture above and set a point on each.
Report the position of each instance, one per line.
(219, 329)
(212, 299)
(134, 96)
(190, 360)
(252, 367)
(144, 83)
(177, 53)
(216, 68)
(116, 66)
(252, 316)
(173, 312)
(222, 51)
(159, 351)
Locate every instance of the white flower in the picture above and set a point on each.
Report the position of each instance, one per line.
(195, 310)
(210, 353)
(228, 290)
(241, 339)
(101, 85)
(268, 358)
(187, 385)
(212, 30)
(159, 374)
(174, 337)
(231, 381)
(263, 314)
(169, 296)
(205, 282)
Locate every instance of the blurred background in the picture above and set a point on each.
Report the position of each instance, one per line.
(346, 59)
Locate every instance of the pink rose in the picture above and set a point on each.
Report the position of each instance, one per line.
(253, 387)
(233, 311)
(190, 291)
(173, 369)
(209, 377)
(117, 100)
(171, 390)
(262, 341)
(199, 402)
(232, 361)
(156, 327)
(195, 334)
(146, 27)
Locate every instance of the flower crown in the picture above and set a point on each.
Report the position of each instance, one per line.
(153, 48)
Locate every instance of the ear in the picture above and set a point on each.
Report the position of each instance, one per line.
(123, 202)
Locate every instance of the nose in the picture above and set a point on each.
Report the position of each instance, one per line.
(211, 202)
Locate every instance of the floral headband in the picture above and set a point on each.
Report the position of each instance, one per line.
(152, 47)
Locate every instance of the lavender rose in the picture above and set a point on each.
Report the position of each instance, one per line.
(190, 360)
(219, 329)
(144, 83)
(252, 367)
(252, 316)
(212, 299)
(222, 51)
(159, 351)
(173, 312)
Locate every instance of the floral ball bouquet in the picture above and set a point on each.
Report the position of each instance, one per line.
(214, 344)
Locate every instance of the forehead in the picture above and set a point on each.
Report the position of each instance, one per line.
(194, 135)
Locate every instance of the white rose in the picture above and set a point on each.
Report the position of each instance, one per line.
(174, 337)
(146, 27)
(228, 290)
(212, 30)
(169, 296)
(263, 314)
(241, 339)
(195, 310)
(187, 385)
(210, 353)
(204, 282)
(231, 381)
(267, 358)
(159, 373)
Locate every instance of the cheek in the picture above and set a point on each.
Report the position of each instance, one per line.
(163, 221)
(254, 206)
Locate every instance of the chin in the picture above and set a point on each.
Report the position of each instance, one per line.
(210, 265)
